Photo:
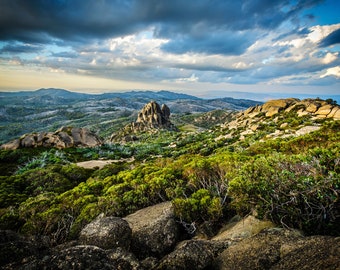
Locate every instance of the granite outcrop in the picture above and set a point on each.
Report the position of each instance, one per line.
(64, 137)
(282, 118)
(151, 118)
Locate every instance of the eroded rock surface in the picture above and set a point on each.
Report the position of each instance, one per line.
(154, 230)
(62, 138)
(152, 117)
(107, 233)
(156, 244)
(281, 249)
(192, 254)
(314, 107)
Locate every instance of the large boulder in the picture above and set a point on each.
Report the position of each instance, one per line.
(281, 249)
(239, 228)
(154, 230)
(315, 252)
(12, 145)
(324, 110)
(261, 251)
(192, 254)
(273, 107)
(106, 233)
(153, 116)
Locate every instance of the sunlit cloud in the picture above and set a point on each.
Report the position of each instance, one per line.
(176, 45)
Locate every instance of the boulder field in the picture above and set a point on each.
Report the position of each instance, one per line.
(152, 238)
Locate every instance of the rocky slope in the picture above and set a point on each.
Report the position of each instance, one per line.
(314, 107)
(62, 138)
(151, 238)
(281, 118)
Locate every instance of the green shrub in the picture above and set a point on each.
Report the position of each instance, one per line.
(292, 191)
(32, 212)
(89, 212)
(200, 206)
(10, 219)
(109, 170)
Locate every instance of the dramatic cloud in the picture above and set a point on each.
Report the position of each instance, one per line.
(21, 48)
(171, 43)
(332, 39)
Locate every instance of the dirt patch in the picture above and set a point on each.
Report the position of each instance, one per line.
(91, 164)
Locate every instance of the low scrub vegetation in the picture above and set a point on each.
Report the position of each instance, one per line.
(294, 182)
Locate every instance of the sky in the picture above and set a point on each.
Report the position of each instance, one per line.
(200, 47)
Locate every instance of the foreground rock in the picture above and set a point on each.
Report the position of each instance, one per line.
(154, 230)
(281, 249)
(240, 228)
(62, 138)
(157, 243)
(192, 254)
(107, 233)
(84, 257)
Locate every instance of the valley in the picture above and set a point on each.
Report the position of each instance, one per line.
(50, 109)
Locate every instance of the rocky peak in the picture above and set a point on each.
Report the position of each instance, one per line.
(154, 116)
(150, 118)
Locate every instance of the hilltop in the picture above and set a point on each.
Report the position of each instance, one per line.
(283, 118)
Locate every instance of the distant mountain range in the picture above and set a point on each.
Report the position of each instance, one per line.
(49, 109)
(65, 94)
(263, 97)
(129, 100)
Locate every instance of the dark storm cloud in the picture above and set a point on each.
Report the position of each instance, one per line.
(39, 20)
(20, 48)
(223, 43)
(332, 39)
(47, 21)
